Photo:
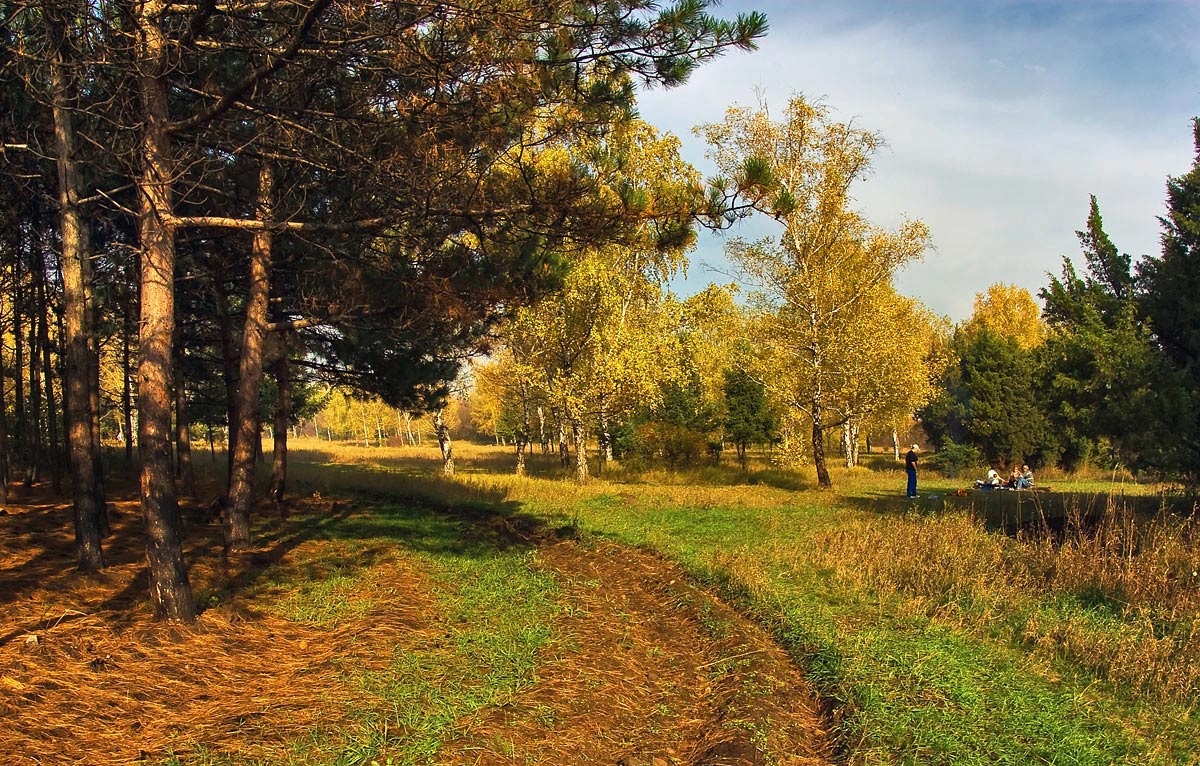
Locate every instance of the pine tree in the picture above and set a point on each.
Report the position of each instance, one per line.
(1169, 298)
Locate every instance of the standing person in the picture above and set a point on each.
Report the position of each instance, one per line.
(910, 467)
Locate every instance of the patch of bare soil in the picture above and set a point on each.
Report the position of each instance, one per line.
(646, 669)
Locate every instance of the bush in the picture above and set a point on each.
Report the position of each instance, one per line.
(679, 446)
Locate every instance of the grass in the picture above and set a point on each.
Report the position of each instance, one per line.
(498, 615)
(938, 639)
(493, 612)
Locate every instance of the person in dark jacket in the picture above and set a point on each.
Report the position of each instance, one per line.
(910, 467)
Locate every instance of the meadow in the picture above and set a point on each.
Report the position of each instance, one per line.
(936, 630)
(395, 616)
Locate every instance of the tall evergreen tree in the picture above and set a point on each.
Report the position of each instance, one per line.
(1097, 363)
(989, 402)
(1169, 297)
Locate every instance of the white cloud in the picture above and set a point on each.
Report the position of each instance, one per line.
(998, 159)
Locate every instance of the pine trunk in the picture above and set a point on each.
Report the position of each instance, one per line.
(229, 368)
(250, 371)
(20, 429)
(35, 400)
(51, 447)
(76, 249)
(183, 439)
(283, 415)
(170, 591)
(127, 380)
(3, 434)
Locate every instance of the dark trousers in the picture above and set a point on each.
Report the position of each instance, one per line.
(912, 481)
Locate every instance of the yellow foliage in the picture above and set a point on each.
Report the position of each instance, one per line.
(1010, 312)
(836, 342)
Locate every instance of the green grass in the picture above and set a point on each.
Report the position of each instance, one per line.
(936, 640)
(497, 616)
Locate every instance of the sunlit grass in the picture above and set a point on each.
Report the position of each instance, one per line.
(941, 639)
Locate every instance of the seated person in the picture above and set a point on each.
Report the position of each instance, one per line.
(1014, 476)
(1025, 478)
(990, 482)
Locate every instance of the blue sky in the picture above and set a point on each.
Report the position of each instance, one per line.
(1000, 118)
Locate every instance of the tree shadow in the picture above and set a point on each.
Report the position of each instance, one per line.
(1021, 511)
(379, 513)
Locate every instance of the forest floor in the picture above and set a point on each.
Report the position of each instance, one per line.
(638, 666)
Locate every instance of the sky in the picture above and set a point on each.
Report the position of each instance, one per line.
(1000, 119)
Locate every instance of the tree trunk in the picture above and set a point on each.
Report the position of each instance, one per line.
(20, 424)
(854, 434)
(76, 249)
(543, 438)
(170, 591)
(896, 444)
(51, 447)
(581, 466)
(94, 405)
(847, 449)
(35, 400)
(443, 438)
(283, 415)
(52, 413)
(3, 432)
(605, 439)
(183, 439)
(127, 379)
(564, 451)
(818, 445)
(229, 368)
(408, 427)
(521, 444)
(250, 371)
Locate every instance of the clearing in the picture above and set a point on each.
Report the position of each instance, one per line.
(320, 645)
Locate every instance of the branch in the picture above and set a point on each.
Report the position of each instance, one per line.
(234, 94)
(249, 224)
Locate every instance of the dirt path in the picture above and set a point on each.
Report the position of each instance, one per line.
(651, 670)
(645, 668)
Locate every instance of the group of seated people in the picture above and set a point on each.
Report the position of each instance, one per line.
(1018, 478)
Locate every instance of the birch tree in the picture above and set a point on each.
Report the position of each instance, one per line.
(813, 284)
